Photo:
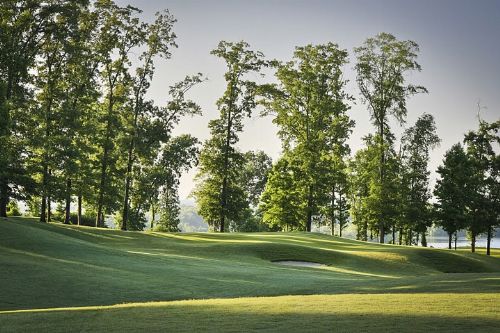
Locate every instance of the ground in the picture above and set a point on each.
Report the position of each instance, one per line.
(57, 278)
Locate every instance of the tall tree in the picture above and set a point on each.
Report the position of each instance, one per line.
(482, 149)
(310, 106)
(22, 23)
(382, 65)
(121, 31)
(282, 202)
(417, 142)
(159, 39)
(219, 193)
(452, 191)
(179, 155)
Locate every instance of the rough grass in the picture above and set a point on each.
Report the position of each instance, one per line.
(65, 269)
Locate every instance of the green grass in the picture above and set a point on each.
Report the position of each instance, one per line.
(55, 277)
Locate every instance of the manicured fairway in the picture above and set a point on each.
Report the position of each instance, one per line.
(64, 277)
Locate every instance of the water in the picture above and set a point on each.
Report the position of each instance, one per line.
(442, 242)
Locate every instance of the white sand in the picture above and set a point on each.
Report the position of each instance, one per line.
(299, 263)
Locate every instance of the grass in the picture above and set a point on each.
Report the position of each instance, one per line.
(55, 277)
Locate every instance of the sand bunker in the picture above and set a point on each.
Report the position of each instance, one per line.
(298, 263)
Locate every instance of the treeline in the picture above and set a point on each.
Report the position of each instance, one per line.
(76, 123)
(77, 126)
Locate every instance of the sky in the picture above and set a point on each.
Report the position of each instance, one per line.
(459, 53)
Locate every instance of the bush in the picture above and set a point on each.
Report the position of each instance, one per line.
(87, 220)
(13, 209)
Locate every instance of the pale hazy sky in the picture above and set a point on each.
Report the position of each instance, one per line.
(459, 42)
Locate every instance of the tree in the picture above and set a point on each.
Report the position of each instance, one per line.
(159, 39)
(120, 33)
(310, 106)
(382, 64)
(282, 202)
(255, 174)
(179, 155)
(362, 169)
(219, 194)
(21, 25)
(417, 142)
(452, 191)
(484, 201)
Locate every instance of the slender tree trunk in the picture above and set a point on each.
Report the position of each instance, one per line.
(382, 165)
(409, 241)
(104, 160)
(127, 188)
(473, 242)
(309, 210)
(43, 206)
(49, 208)
(488, 241)
(424, 239)
(449, 240)
(67, 209)
(418, 238)
(400, 236)
(332, 222)
(456, 238)
(79, 209)
(49, 199)
(365, 231)
(152, 216)
(394, 234)
(4, 197)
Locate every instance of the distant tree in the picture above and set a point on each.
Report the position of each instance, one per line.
(382, 63)
(178, 156)
(452, 191)
(219, 194)
(282, 202)
(416, 144)
(482, 149)
(254, 175)
(361, 170)
(13, 209)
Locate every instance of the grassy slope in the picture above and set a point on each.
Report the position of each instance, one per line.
(54, 266)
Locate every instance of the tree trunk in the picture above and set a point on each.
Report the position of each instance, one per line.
(49, 208)
(456, 238)
(104, 160)
(309, 210)
(4, 197)
(365, 231)
(488, 241)
(401, 236)
(424, 239)
(332, 222)
(43, 209)
(127, 188)
(152, 215)
(418, 238)
(382, 165)
(449, 240)
(67, 209)
(79, 210)
(473, 242)
(393, 234)
(43, 206)
(49, 199)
